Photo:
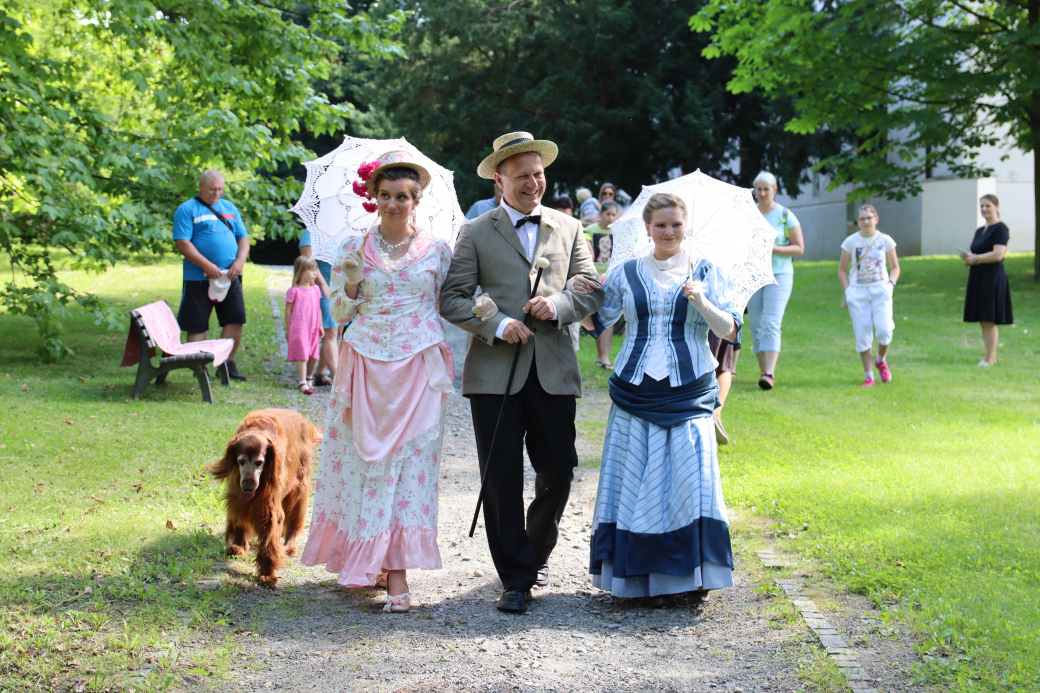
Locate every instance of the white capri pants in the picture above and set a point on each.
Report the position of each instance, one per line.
(766, 313)
(870, 307)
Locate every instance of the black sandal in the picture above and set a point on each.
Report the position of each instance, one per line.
(321, 380)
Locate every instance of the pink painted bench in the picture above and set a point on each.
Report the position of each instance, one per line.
(153, 327)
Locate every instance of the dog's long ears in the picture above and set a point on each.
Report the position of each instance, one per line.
(222, 468)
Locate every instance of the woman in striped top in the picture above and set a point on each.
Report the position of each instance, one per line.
(660, 525)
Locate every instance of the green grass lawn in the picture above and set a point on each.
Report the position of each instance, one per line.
(91, 578)
(936, 471)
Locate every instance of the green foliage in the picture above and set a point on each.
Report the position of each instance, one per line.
(620, 86)
(923, 83)
(109, 111)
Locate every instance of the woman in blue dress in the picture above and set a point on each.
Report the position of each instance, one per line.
(660, 525)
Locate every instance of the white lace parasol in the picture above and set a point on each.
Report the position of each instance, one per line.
(724, 227)
(332, 211)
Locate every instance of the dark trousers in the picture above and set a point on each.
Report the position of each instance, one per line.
(546, 424)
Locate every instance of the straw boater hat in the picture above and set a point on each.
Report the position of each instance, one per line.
(516, 143)
(398, 159)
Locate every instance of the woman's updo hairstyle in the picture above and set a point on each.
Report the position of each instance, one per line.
(663, 201)
(991, 198)
(394, 173)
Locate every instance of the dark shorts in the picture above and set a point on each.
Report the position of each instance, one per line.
(196, 307)
(726, 353)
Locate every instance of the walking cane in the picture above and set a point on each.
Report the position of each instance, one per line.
(541, 263)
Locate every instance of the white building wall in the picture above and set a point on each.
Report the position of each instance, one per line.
(1016, 210)
(823, 216)
(944, 216)
(950, 213)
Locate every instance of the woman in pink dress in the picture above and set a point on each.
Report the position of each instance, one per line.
(375, 502)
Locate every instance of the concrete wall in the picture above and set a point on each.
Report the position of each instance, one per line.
(1016, 210)
(823, 227)
(901, 220)
(950, 213)
(935, 222)
(822, 214)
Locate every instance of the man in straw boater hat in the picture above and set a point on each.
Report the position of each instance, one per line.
(498, 251)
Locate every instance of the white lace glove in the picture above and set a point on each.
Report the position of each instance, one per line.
(719, 321)
(353, 266)
(485, 308)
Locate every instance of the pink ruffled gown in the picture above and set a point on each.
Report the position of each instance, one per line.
(375, 500)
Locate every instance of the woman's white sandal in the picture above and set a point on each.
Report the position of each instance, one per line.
(399, 604)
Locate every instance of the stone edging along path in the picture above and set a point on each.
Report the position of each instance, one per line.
(837, 648)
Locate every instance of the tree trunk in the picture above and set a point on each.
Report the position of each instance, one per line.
(1033, 115)
(1036, 203)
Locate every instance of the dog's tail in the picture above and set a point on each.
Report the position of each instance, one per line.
(316, 434)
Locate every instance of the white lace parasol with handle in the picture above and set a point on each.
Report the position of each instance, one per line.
(332, 211)
(724, 227)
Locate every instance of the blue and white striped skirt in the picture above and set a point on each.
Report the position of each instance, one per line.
(660, 523)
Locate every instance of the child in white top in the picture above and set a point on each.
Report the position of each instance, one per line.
(865, 275)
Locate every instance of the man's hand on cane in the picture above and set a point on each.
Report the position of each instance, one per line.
(540, 308)
(516, 332)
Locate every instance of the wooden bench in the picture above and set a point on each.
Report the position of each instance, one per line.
(153, 329)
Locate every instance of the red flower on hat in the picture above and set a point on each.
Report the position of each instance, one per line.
(360, 187)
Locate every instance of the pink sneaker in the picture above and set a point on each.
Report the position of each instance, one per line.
(869, 382)
(886, 375)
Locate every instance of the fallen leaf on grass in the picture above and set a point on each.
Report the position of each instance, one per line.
(71, 423)
(170, 524)
(900, 564)
(96, 499)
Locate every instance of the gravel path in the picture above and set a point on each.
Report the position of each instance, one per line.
(312, 635)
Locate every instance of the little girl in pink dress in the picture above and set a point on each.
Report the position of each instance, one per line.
(303, 321)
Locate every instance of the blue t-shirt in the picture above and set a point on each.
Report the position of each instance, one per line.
(324, 267)
(782, 264)
(211, 237)
(481, 207)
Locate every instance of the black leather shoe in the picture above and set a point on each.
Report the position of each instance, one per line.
(513, 601)
(232, 371)
(543, 577)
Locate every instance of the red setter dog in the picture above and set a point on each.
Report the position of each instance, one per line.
(267, 466)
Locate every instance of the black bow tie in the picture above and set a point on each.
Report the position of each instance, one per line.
(535, 219)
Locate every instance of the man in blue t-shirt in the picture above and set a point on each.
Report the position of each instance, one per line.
(209, 233)
(481, 206)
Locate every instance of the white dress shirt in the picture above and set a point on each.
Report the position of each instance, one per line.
(528, 234)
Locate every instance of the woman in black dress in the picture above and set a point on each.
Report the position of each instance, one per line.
(988, 299)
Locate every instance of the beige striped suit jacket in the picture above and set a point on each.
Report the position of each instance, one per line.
(489, 254)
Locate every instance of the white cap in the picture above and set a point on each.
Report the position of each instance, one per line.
(218, 288)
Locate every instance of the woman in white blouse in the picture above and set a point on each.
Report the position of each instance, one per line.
(660, 525)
